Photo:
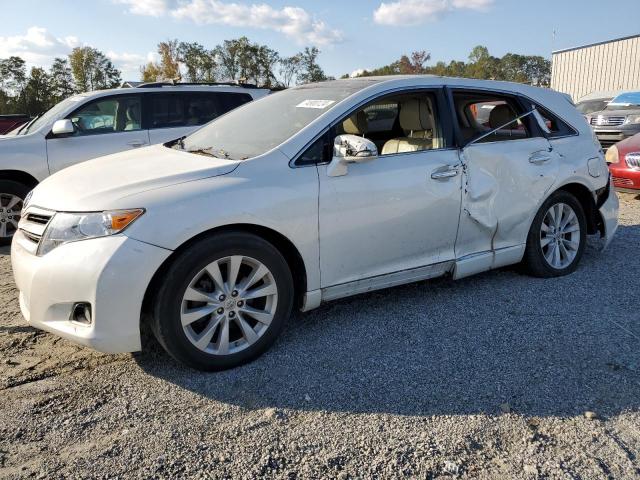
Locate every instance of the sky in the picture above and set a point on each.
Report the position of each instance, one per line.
(351, 34)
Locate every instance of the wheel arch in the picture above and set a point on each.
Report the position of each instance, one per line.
(19, 176)
(285, 246)
(588, 203)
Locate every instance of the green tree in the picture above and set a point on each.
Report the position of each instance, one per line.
(290, 68)
(38, 94)
(310, 70)
(92, 70)
(61, 80)
(200, 64)
(13, 78)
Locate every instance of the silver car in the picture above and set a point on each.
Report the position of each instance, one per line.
(308, 195)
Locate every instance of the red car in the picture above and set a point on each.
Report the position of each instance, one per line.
(10, 122)
(624, 164)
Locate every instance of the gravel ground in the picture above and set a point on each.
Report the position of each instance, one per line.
(488, 377)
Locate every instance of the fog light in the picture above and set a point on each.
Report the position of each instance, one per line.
(81, 313)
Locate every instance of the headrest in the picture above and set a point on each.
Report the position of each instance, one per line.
(415, 115)
(500, 115)
(132, 113)
(356, 124)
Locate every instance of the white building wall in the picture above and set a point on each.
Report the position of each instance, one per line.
(609, 66)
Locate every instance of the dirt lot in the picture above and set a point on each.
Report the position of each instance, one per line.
(489, 377)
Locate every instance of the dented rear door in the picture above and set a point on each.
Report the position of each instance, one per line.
(504, 182)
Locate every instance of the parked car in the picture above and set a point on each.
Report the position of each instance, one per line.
(99, 123)
(595, 102)
(620, 119)
(294, 200)
(11, 122)
(624, 164)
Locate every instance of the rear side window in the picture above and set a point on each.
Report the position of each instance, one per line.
(167, 111)
(479, 113)
(192, 109)
(553, 126)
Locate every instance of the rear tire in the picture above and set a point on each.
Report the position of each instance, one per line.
(557, 237)
(223, 301)
(12, 195)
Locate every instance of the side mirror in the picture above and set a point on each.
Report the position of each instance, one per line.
(63, 127)
(350, 149)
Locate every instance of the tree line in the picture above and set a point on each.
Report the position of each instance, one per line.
(531, 69)
(87, 68)
(237, 60)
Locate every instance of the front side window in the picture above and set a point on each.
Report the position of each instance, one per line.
(398, 123)
(479, 113)
(110, 115)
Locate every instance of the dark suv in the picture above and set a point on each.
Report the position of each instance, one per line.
(620, 119)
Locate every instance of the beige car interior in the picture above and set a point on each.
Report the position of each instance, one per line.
(356, 124)
(416, 119)
(411, 131)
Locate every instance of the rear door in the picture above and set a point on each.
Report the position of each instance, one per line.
(102, 126)
(507, 174)
(173, 115)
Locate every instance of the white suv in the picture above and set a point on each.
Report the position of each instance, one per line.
(99, 123)
(305, 196)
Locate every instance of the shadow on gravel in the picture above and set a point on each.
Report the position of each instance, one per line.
(553, 347)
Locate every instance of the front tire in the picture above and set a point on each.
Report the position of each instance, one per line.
(223, 301)
(12, 195)
(557, 237)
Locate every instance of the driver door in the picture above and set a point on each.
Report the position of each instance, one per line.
(104, 126)
(398, 211)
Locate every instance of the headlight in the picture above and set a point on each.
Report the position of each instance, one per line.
(633, 119)
(612, 155)
(71, 227)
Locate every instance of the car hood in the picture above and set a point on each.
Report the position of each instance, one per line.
(99, 183)
(622, 112)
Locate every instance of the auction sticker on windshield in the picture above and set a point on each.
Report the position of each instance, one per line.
(315, 104)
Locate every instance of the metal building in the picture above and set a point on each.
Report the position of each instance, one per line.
(605, 66)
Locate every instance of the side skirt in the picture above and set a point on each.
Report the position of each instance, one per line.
(460, 268)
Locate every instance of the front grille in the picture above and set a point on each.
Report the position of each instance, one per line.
(33, 224)
(38, 218)
(622, 182)
(601, 120)
(633, 160)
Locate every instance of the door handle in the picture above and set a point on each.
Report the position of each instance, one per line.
(136, 143)
(445, 172)
(538, 158)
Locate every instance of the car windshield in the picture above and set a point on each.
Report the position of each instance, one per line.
(50, 114)
(625, 100)
(590, 106)
(259, 126)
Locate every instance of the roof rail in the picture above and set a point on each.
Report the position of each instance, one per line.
(172, 84)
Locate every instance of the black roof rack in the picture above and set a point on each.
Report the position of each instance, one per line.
(180, 84)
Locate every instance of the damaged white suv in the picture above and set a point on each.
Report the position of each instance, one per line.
(308, 195)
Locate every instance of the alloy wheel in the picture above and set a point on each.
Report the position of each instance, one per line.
(560, 236)
(10, 210)
(229, 305)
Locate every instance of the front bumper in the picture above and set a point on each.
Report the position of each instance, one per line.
(625, 178)
(609, 213)
(110, 273)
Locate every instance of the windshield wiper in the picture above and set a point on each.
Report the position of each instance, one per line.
(29, 123)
